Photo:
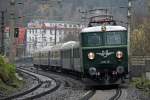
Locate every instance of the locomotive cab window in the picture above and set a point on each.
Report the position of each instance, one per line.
(115, 38)
(104, 38)
(94, 39)
(90, 39)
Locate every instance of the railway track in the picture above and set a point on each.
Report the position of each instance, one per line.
(67, 85)
(43, 86)
(70, 88)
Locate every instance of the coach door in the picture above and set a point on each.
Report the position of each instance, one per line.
(72, 58)
(49, 62)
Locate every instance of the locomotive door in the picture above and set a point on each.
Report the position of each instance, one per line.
(72, 59)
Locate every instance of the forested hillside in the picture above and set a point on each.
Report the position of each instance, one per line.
(62, 9)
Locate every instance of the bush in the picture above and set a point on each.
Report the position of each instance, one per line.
(9, 83)
(7, 71)
(142, 83)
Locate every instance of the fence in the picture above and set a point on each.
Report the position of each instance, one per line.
(139, 65)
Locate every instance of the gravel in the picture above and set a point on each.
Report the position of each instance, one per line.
(66, 94)
(29, 83)
(73, 90)
(136, 94)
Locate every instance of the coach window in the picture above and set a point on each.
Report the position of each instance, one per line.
(76, 53)
(64, 54)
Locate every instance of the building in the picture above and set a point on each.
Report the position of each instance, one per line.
(19, 45)
(46, 33)
(20, 42)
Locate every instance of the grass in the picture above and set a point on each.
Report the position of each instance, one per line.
(142, 83)
(7, 89)
(8, 80)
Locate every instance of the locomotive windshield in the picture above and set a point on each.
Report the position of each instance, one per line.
(104, 38)
(94, 39)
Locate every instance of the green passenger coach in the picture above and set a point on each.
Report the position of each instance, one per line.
(104, 53)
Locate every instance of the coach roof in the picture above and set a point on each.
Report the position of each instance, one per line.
(99, 28)
(70, 44)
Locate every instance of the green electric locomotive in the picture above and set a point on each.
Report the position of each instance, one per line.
(104, 53)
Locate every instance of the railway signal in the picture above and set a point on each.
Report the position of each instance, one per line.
(16, 32)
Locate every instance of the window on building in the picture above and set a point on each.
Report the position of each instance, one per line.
(60, 32)
(60, 39)
(50, 39)
(65, 25)
(74, 26)
(38, 30)
(30, 39)
(31, 31)
(50, 30)
(28, 31)
(35, 31)
(70, 26)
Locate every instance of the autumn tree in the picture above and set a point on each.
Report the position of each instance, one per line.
(140, 40)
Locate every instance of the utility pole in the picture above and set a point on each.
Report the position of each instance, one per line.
(12, 24)
(55, 29)
(129, 24)
(2, 33)
(129, 34)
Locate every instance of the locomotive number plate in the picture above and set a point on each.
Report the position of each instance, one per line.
(105, 62)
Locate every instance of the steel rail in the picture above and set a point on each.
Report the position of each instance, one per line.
(117, 94)
(88, 95)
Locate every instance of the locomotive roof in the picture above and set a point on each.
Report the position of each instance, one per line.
(99, 29)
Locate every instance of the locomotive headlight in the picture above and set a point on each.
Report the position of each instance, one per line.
(91, 55)
(119, 54)
(120, 69)
(92, 71)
